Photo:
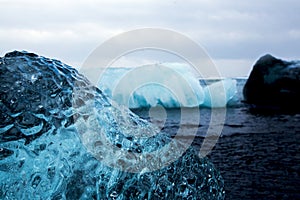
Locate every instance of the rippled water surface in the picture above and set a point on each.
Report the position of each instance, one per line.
(258, 154)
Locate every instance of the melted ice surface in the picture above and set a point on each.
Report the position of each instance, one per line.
(61, 138)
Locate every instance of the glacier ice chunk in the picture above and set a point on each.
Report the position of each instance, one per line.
(51, 159)
(170, 85)
(167, 85)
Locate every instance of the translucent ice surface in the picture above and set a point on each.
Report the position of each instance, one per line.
(61, 138)
(169, 85)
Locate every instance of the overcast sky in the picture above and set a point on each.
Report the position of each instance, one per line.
(235, 33)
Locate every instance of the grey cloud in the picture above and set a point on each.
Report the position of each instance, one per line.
(229, 29)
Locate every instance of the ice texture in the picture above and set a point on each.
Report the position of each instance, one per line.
(167, 85)
(55, 130)
(218, 94)
(173, 88)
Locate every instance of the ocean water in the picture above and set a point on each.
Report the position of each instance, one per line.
(258, 154)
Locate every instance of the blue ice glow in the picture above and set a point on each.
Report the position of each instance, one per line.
(152, 85)
(44, 125)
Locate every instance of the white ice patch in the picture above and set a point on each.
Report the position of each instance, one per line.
(168, 85)
(220, 93)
